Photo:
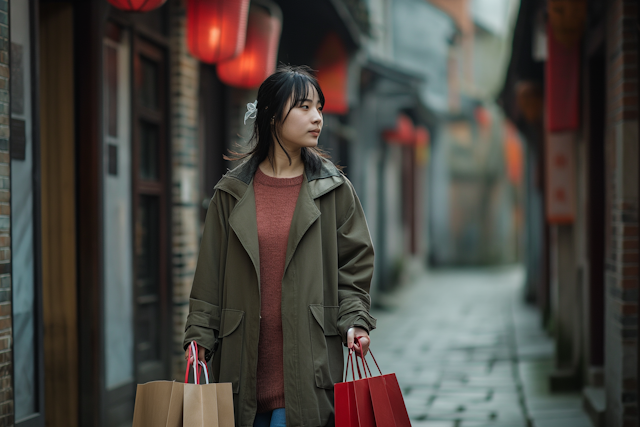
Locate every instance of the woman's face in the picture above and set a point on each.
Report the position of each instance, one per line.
(303, 125)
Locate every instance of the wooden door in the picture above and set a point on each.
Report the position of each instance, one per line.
(136, 259)
(596, 207)
(150, 211)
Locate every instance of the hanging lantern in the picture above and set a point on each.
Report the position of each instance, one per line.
(258, 60)
(404, 132)
(332, 63)
(216, 29)
(568, 19)
(137, 5)
(513, 153)
(529, 100)
(483, 117)
(423, 137)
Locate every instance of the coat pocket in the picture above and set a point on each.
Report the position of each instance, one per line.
(231, 348)
(326, 349)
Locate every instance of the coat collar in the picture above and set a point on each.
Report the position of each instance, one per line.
(239, 183)
(236, 181)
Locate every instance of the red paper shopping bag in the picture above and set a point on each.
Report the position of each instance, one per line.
(345, 401)
(370, 401)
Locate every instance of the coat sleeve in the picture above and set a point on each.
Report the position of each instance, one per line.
(355, 268)
(203, 321)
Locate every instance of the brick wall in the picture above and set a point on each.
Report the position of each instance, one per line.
(6, 367)
(622, 215)
(185, 180)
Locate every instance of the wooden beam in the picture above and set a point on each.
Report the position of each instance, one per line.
(58, 214)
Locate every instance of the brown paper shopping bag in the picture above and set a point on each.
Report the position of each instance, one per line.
(206, 405)
(159, 403)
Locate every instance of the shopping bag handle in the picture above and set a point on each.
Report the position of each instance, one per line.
(353, 372)
(198, 366)
(365, 365)
(192, 360)
(364, 361)
(206, 371)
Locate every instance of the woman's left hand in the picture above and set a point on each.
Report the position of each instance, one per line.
(363, 337)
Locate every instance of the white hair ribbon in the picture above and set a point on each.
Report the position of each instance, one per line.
(252, 111)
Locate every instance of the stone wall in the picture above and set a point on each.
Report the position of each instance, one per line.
(6, 365)
(186, 178)
(622, 215)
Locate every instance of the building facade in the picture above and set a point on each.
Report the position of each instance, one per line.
(583, 169)
(112, 137)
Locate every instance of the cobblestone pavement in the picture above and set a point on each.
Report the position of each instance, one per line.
(468, 353)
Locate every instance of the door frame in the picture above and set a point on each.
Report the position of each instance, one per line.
(143, 46)
(38, 419)
(90, 20)
(89, 26)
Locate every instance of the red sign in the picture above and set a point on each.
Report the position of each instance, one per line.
(562, 85)
(332, 63)
(560, 182)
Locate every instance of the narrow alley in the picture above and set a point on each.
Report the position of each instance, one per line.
(469, 353)
(491, 150)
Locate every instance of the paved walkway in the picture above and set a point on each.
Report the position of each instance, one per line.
(468, 353)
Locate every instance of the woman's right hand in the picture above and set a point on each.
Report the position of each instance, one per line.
(201, 351)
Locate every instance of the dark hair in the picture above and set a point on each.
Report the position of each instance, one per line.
(288, 82)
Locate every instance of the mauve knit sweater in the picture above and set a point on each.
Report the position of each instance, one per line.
(275, 202)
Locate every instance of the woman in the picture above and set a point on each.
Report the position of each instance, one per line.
(285, 265)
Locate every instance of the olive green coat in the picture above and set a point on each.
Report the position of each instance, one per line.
(325, 291)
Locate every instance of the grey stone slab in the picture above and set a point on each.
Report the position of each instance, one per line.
(416, 403)
(553, 402)
(512, 423)
(556, 413)
(491, 379)
(419, 392)
(429, 423)
(417, 411)
(511, 411)
(479, 356)
(580, 421)
(458, 416)
(462, 394)
(446, 406)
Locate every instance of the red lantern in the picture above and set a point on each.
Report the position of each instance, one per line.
(422, 136)
(513, 153)
(332, 63)
(216, 29)
(137, 5)
(403, 134)
(258, 60)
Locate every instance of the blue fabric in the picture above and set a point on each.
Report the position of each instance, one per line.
(275, 418)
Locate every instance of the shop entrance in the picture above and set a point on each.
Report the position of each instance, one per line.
(136, 261)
